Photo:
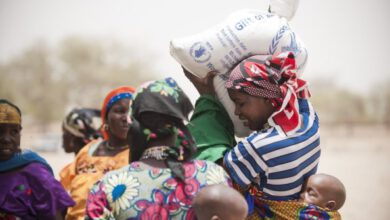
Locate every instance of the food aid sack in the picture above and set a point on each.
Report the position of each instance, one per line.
(283, 8)
(242, 34)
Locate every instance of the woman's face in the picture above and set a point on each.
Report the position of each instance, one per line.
(117, 119)
(255, 111)
(9, 140)
(71, 143)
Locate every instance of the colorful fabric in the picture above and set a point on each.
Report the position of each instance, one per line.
(290, 210)
(32, 192)
(9, 113)
(274, 78)
(112, 97)
(212, 129)
(79, 176)
(83, 123)
(21, 159)
(277, 164)
(167, 99)
(164, 97)
(134, 192)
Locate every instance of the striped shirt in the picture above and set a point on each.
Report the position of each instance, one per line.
(275, 163)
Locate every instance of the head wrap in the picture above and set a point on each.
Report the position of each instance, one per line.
(274, 78)
(111, 98)
(83, 123)
(166, 98)
(9, 113)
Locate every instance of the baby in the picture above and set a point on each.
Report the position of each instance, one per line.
(325, 191)
(217, 202)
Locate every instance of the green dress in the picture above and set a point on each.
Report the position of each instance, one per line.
(212, 129)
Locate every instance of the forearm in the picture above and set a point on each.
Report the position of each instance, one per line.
(212, 129)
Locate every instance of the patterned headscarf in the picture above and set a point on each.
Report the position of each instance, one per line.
(83, 123)
(9, 113)
(111, 98)
(166, 98)
(274, 78)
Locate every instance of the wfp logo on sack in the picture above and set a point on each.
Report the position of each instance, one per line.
(200, 52)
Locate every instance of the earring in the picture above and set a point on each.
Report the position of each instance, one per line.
(181, 154)
(105, 127)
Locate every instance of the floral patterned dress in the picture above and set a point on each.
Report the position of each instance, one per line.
(137, 193)
(84, 171)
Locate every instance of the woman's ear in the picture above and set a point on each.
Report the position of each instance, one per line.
(331, 205)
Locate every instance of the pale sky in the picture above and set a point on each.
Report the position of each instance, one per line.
(347, 40)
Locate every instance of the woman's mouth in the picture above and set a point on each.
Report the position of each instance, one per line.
(125, 126)
(6, 150)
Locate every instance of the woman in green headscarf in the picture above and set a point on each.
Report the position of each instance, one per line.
(162, 179)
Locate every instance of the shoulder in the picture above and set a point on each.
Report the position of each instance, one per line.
(90, 146)
(114, 174)
(214, 174)
(259, 139)
(37, 169)
(37, 174)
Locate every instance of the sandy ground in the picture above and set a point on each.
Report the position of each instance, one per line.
(359, 157)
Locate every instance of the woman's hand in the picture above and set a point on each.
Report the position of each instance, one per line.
(204, 85)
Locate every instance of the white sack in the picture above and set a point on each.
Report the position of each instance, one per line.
(284, 8)
(242, 34)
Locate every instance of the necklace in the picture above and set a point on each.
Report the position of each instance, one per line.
(158, 153)
(111, 148)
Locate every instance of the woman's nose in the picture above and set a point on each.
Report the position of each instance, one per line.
(128, 118)
(5, 138)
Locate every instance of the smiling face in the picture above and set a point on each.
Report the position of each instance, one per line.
(117, 119)
(255, 111)
(9, 140)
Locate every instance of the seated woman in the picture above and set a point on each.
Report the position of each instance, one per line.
(273, 162)
(100, 156)
(162, 179)
(28, 189)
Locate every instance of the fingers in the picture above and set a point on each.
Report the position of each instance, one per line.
(186, 72)
(193, 78)
(207, 80)
(210, 76)
(189, 75)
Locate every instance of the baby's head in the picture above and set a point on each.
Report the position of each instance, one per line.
(217, 202)
(325, 191)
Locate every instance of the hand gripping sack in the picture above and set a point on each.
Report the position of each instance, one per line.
(242, 34)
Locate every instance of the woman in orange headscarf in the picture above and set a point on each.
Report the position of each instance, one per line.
(100, 156)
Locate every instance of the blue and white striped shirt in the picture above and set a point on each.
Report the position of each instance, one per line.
(275, 163)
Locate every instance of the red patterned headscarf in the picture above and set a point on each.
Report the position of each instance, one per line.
(111, 98)
(274, 78)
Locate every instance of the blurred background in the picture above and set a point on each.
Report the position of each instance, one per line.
(57, 54)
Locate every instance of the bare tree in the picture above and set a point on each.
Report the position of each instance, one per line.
(45, 82)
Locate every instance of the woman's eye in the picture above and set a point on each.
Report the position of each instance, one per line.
(119, 110)
(14, 131)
